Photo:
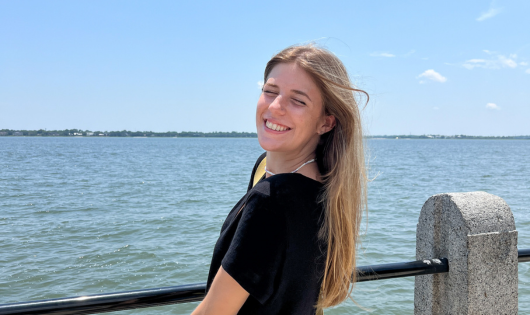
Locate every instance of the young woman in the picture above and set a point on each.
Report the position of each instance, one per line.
(288, 246)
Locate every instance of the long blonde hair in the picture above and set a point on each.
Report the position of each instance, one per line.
(340, 158)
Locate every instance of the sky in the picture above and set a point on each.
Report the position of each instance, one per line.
(446, 67)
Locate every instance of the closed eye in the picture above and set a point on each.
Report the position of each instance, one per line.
(299, 101)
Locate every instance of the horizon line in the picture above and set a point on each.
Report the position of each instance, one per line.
(8, 132)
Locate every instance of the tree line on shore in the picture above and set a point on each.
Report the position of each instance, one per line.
(215, 134)
(124, 133)
(449, 137)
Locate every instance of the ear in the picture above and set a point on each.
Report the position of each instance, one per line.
(328, 124)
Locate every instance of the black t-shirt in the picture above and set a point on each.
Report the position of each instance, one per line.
(271, 247)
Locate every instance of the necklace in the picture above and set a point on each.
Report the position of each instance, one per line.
(296, 170)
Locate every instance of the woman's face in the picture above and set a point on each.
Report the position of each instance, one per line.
(290, 116)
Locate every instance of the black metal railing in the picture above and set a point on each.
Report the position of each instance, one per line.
(119, 301)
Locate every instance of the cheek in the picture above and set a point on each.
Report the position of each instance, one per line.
(261, 106)
(307, 120)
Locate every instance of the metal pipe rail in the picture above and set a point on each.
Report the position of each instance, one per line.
(119, 301)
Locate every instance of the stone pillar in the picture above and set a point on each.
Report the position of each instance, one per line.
(476, 233)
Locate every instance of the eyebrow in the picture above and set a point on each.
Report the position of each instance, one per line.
(294, 91)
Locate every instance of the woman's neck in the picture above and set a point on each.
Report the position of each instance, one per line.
(279, 162)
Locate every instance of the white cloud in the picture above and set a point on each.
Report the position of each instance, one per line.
(260, 84)
(489, 14)
(507, 62)
(527, 71)
(436, 108)
(432, 75)
(492, 106)
(409, 53)
(522, 63)
(497, 61)
(382, 54)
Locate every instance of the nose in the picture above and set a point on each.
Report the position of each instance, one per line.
(277, 105)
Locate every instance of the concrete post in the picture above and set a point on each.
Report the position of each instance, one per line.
(476, 233)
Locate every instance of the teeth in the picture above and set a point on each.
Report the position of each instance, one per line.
(275, 127)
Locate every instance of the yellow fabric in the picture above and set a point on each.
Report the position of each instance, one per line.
(260, 171)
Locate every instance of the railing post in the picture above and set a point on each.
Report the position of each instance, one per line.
(476, 233)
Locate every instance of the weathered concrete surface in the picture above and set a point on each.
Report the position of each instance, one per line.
(476, 233)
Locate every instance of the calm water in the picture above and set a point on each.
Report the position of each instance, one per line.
(88, 215)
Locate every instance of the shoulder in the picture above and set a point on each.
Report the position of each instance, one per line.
(288, 192)
(288, 184)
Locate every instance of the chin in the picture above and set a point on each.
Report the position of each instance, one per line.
(269, 144)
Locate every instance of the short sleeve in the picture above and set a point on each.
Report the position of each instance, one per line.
(257, 250)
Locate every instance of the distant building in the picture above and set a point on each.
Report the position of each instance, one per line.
(17, 133)
(89, 133)
(3, 133)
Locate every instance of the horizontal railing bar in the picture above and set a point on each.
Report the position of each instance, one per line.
(524, 255)
(119, 301)
(405, 269)
(109, 302)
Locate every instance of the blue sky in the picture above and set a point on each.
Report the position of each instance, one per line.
(452, 67)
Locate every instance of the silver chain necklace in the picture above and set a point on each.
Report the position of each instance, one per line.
(296, 170)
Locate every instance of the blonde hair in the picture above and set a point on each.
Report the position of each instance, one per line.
(340, 158)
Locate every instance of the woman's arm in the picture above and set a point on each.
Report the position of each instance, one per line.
(225, 297)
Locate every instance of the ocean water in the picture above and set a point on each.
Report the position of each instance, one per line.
(90, 215)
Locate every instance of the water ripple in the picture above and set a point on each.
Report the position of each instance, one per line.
(89, 215)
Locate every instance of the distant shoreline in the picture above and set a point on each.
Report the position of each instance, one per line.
(207, 137)
(197, 134)
(443, 137)
(124, 133)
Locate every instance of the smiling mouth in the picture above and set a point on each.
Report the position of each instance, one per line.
(276, 127)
